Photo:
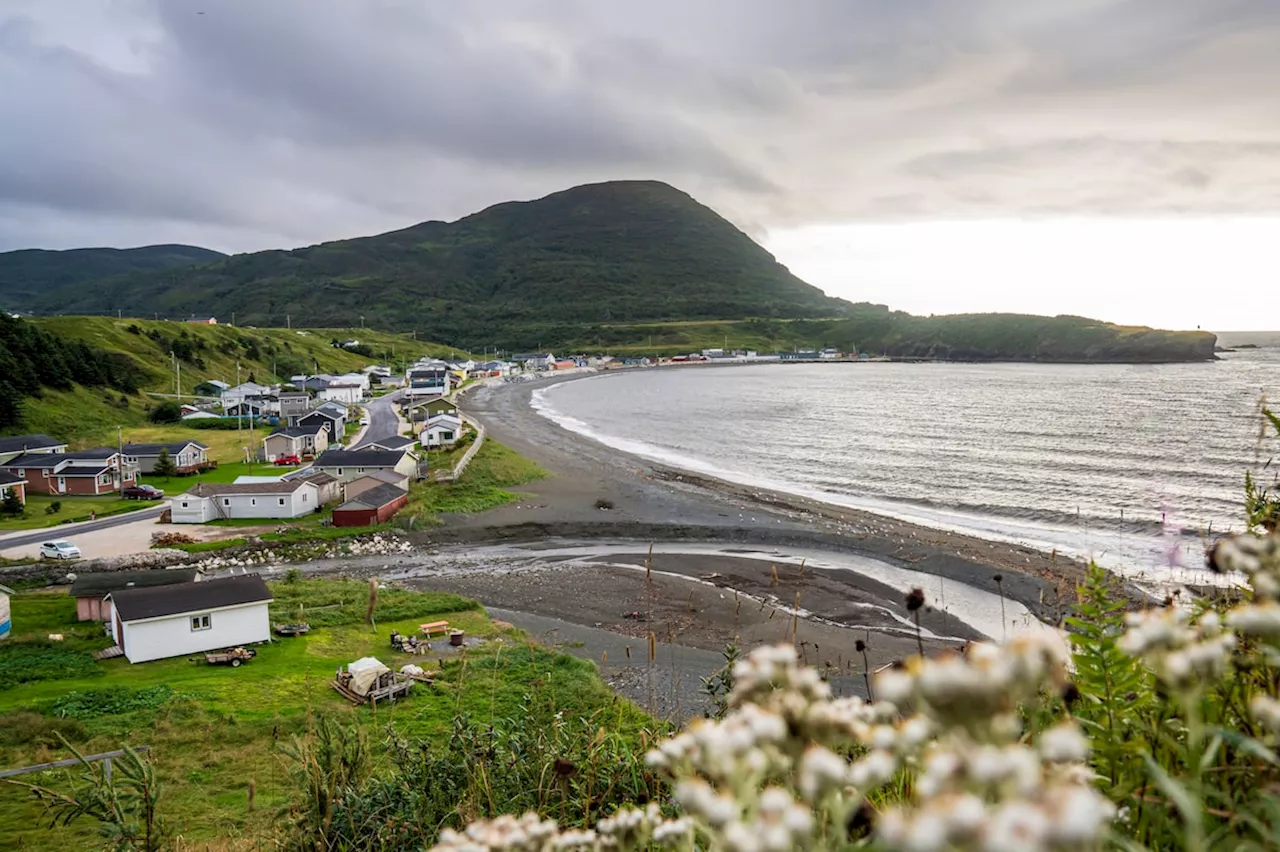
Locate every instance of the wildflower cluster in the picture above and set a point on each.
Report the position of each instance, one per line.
(1181, 649)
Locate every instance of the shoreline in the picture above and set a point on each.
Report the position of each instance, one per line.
(647, 500)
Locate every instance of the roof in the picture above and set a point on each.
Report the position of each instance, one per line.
(7, 479)
(393, 442)
(158, 601)
(326, 413)
(296, 431)
(310, 474)
(359, 458)
(154, 449)
(104, 582)
(392, 477)
(218, 489)
(19, 443)
(374, 498)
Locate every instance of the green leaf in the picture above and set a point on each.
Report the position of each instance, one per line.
(1245, 744)
(1178, 794)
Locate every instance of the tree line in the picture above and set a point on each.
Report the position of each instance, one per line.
(32, 359)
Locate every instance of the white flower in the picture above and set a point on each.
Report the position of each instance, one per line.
(895, 686)
(1064, 743)
(821, 770)
(1259, 619)
(1080, 815)
(872, 770)
(1267, 711)
(1016, 826)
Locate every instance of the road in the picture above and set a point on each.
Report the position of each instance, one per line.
(382, 419)
(72, 530)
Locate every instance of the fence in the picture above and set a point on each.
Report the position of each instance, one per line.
(452, 475)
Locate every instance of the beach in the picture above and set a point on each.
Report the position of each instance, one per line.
(731, 565)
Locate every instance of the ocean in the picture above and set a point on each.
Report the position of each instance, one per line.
(1130, 464)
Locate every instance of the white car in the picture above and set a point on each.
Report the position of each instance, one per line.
(59, 550)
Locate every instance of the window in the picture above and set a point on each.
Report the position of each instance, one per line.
(446, 436)
(22, 474)
(253, 501)
(184, 504)
(281, 501)
(339, 471)
(199, 622)
(226, 501)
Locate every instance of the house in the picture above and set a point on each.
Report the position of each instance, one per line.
(346, 465)
(190, 618)
(426, 409)
(356, 487)
(294, 405)
(209, 501)
(188, 456)
(210, 387)
(326, 418)
(565, 364)
(10, 482)
(19, 444)
(201, 415)
(372, 506)
(534, 360)
(395, 442)
(91, 590)
(329, 487)
(343, 390)
(295, 441)
(96, 471)
(245, 390)
(5, 623)
(427, 381)
(247, 408)
(203, 321)
(311, 383)
(443, 430)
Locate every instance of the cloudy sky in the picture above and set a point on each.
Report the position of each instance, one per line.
(1115, 158)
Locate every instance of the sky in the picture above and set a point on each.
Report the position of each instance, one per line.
(1110, 158)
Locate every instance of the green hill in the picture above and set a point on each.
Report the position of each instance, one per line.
(82, 376)
(625, 251)
(30, 274)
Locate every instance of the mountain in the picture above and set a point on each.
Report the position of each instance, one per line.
(29, 274)
(622, 251)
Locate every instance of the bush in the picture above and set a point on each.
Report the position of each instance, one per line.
(326, 603)
(27, 662)
(24, 728)
(166, 412)
(112, 701)
(53, 508)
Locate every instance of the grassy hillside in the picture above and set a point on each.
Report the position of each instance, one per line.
(91, 414)
(28, 274)
(625, 251)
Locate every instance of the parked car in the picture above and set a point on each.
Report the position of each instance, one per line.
(59, 550)
(143, 492)
(289, 459)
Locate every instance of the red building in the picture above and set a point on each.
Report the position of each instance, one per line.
(374, 506)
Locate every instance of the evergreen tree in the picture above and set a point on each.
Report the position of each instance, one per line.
(166, 412)
(164, 465)
(12, 503)
(10, 406)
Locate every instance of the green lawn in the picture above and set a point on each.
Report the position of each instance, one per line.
(215, 731)
(223, 473)
(72, 509)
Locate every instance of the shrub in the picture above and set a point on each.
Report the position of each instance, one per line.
(26, 662)
(166, 412)
(53, 508)
(112, 701)
(25, 728)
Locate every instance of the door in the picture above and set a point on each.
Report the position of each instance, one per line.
(62, 485)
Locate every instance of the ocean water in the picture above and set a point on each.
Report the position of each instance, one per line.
(1132, 465)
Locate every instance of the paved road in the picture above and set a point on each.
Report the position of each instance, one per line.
(382, 419)
(72, 530)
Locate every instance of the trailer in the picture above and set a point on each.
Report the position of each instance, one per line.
(231, 657)
(292, 629)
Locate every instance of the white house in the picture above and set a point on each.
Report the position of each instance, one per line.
(343, 390)
(190, 618)
(441, 430)
(238, 394)
(209, 501)
(427, 381)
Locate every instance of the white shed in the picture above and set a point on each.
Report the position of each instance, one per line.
(5, 623)
(190, 618)
(211, 501)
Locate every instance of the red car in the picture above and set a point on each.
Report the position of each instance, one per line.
(288, 460)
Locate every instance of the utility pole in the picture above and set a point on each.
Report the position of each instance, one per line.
(173, 365)
(288, 322)
(119, 314)
(239, 437)
(362, 320)
(120, 459)
(233, 317)
(178, 377)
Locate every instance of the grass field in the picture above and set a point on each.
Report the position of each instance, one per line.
(215, 731)
(484, 485)
(72, 509)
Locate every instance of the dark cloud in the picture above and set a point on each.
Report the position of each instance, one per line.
(242, 124)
